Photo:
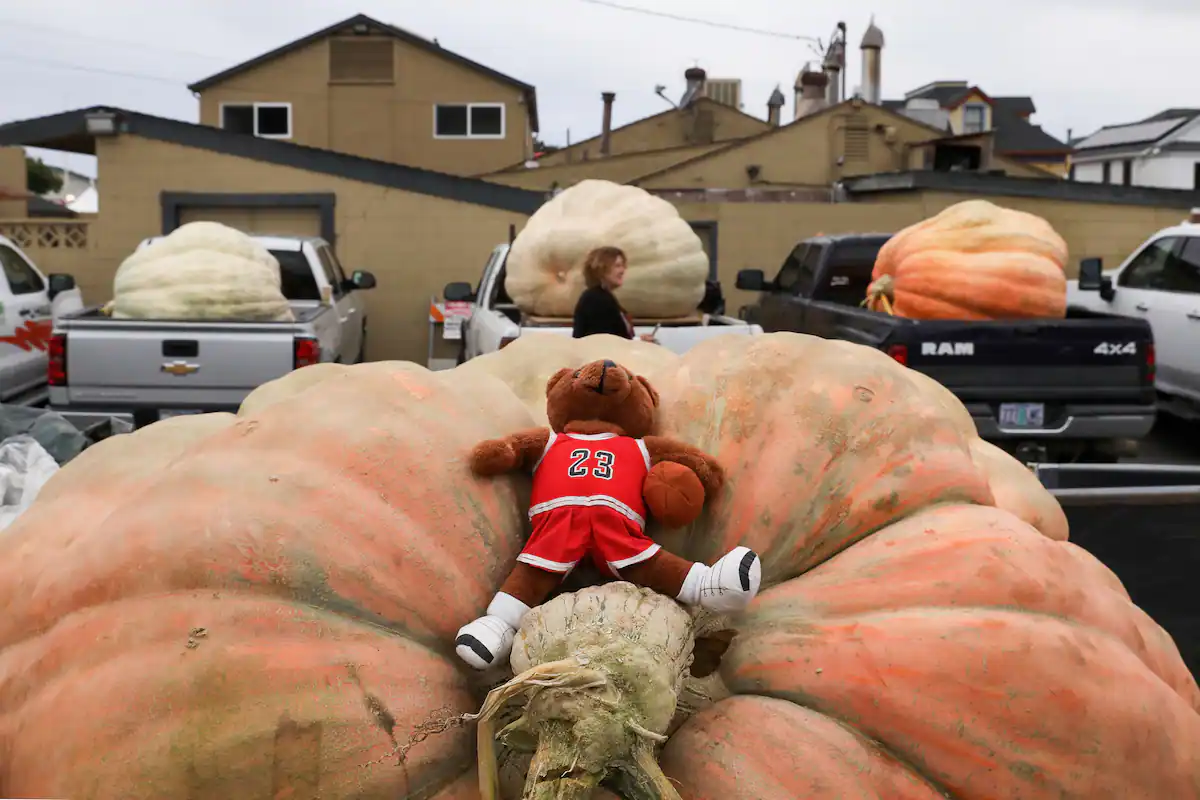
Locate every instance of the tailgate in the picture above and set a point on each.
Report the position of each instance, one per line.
(1096, 361)
(197, 366)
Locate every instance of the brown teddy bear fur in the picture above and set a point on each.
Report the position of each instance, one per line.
(604, 397)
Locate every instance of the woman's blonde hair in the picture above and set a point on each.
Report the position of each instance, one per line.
(599, 262)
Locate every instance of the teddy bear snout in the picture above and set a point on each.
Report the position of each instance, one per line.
(605, 378)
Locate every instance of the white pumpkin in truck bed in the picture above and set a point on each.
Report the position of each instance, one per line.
(667, 265)
(202, 270)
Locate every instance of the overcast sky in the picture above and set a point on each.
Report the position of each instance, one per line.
(1086, 63)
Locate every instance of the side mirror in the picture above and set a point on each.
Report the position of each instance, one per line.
(1093, 279)
(458, 292)
(59, 283)
(361, 279)
(751, 280)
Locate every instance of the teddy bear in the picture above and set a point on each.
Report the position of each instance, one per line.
(597, 470)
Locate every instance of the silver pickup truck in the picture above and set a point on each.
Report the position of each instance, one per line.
(152, 369)
(495, 321)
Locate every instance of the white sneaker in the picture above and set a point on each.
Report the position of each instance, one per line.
(488, 640)
(727, 586)
(485, 641)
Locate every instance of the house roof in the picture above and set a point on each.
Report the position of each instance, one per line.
(1009, 186)
(376, 27)
(68, 131)
(699, 101)
(1014, 133)
(776, 131)
(1144, 132)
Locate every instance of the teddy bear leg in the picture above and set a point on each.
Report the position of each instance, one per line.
(488, 640)
(663, 572)
(727, 586)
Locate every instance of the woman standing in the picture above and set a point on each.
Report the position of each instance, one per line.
(598, 310)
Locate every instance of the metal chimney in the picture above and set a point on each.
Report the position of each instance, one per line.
(775, 107)
(606, 126)
(835, 59)
(872, 67)
(695, 78)
(813, 86)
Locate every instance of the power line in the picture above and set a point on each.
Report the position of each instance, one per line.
(12, 24)
(698, 21)
(44, 62)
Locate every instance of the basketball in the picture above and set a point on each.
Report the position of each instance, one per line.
(673, 494)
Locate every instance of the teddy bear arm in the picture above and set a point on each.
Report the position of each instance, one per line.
(519, 450)
(707, 469)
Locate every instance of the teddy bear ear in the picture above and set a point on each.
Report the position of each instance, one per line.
(556, 377)
(649, 389)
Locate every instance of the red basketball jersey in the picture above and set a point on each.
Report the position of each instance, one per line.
(600, 469)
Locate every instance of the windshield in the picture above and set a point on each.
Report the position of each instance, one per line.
(298, 282)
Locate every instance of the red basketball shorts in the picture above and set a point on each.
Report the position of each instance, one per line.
(563, 536)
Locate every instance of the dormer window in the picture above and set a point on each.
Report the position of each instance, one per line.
(974, 118)
(266, 120)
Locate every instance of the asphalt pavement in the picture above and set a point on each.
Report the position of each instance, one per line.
(1173, 441)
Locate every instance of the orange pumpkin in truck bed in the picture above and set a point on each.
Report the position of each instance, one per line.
(973, 261)
(264, 605)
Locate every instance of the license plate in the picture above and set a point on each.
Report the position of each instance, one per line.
(1022, 415)
(178, 412)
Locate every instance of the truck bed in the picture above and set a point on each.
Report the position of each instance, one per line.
(304, 311)
(155, 367)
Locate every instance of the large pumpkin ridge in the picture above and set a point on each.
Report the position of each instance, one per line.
(816, 458)
(304, 567)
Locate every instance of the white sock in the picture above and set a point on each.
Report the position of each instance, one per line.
(689, 595)
(508, 608)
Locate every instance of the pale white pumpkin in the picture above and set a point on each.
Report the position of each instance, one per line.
(202, 270)
(667, 265)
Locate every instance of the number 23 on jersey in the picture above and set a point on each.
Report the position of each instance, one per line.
(599, 463)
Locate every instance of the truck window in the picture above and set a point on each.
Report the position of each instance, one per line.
(20, 276)
(1187, 279)
(1150, 268)
(298, 281)
(849, 271)
(789, 273)
(333, 271)
(330, 271)
(808, 270)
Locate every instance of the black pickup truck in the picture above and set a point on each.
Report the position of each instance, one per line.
(1077, 389)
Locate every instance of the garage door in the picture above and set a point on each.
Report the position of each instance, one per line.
(262, 221)
(707, 231)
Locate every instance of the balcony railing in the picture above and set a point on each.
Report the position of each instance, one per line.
(45, 234)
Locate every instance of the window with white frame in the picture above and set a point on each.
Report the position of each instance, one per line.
(468, 121)
(974, 118)
(267, 120)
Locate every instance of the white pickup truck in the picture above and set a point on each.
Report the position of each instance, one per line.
(1160, 283)
(495, 321)
(29, 301)
(155, 368)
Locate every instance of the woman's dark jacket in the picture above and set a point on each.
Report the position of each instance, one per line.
(599, 312)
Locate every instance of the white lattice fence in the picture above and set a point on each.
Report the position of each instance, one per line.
(34, 234)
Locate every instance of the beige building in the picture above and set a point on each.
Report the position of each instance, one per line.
(373, 90)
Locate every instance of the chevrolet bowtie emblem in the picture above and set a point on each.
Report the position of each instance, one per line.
(179, 368)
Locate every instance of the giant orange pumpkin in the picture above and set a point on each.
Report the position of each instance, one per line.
(973, 261)
(263, 606)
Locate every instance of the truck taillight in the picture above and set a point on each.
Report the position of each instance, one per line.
(56, 367)
(898, 352)
(506, 341)
(1151, 366)
(307, 352)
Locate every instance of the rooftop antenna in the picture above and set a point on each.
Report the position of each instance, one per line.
(660, 90)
